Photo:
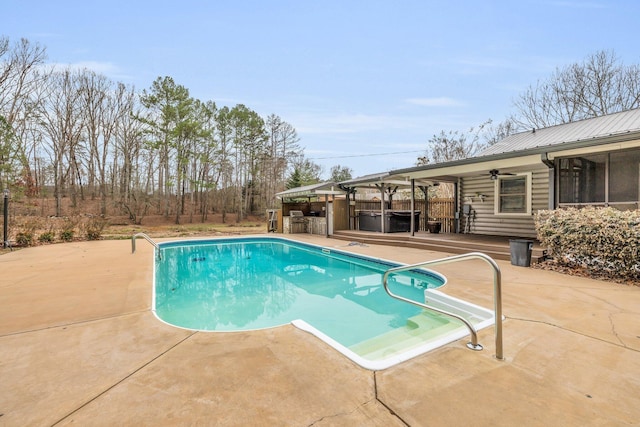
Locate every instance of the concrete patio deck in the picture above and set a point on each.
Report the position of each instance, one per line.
(79, 345)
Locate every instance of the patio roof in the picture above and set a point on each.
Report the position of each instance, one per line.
(321, 188)
(386, 178)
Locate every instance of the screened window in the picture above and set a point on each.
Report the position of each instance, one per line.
(624, 171)
(600, 179)
(513, 195)
(582, 179)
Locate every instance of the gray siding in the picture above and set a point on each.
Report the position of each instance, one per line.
(486, 222)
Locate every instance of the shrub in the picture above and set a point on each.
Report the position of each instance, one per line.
(24, 238)
(93, 228)
(47, 237)
(25, 230)
(68, 229)
(602, 240)
(66, 235)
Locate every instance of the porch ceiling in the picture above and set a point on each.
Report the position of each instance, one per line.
(450, 171)
(376, 180)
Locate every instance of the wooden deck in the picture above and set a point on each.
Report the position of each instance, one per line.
(496, 247)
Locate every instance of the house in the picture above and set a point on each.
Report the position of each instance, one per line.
(590, 162)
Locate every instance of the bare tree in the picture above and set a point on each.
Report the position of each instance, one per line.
(94, 91)
(19, 79)
(84, 134)
(453, 145)
(494, 133)
(599, 85)
(62, 123)
(282, 146)
(134, 164)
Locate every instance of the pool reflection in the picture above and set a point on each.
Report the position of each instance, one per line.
(239, 286)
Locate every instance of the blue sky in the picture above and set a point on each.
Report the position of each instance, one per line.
(357, 79)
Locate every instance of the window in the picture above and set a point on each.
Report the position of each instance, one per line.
(623, 176)
(513, 195)
(582, 179)
(606, 179)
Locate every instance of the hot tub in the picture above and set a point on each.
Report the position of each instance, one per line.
(394, 221)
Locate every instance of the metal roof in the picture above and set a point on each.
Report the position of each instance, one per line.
(526, 148)
(321, 188)
(365, 179)
(372, 180)
(621, 123)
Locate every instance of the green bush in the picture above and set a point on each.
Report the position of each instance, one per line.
(602, 240)
(66, 235)
(68, 229)
(47, 237)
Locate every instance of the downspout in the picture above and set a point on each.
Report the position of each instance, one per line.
(544, 157)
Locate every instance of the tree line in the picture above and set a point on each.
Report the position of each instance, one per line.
(77, 134)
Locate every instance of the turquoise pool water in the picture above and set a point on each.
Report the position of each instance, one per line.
(253, 283)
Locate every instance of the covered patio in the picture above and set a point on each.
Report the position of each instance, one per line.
(379, 216)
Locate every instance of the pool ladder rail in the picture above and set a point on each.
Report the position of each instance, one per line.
(497, 296)
(148, 239)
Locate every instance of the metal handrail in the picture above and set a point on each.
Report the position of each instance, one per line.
(497, 296)
(148, 239)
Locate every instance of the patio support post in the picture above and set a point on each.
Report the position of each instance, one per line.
(326, 216)
(413, 206)
(5, 241)
(382, 193)
(456, 205)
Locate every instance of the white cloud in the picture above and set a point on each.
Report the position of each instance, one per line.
(345, 123)
(106, 68)
(442, 101)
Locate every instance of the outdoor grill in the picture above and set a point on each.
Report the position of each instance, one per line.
(297, 222)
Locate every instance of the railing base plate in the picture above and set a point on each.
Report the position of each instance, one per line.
(474, 347)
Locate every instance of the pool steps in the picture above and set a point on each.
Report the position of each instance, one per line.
(420, 330)
(497, 296)
(417, 332)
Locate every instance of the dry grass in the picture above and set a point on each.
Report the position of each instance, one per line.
(121, 228)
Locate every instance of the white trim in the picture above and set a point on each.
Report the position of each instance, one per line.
(496, 194)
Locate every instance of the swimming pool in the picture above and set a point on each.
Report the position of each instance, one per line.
(237, 284)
